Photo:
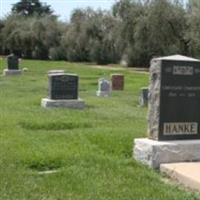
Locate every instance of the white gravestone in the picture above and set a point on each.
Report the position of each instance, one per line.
(104, 87)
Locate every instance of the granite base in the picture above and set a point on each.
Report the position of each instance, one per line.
(9, 72)
(102, 94)
(71, 103)
(153, 153)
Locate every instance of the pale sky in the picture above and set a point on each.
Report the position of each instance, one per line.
(63, 8)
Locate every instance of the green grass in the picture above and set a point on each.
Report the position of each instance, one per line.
(90, 148)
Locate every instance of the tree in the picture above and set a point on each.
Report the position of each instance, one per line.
(193, 32)
(31, 7)
(32, 37)
(1, 37)
(160, 31)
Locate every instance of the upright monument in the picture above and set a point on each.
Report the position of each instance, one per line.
(12, 65)
(104, 88)
(117, 81)
(63, 91)
(174, 112)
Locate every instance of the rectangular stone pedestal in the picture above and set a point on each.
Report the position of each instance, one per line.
(102, 93)
(153, 153)
(71, 103)
(9, 72)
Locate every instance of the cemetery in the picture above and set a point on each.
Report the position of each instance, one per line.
(83, 154)
(100, 100)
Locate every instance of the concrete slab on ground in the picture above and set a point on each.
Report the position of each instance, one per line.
(186, 173)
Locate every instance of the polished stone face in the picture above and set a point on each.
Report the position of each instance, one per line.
(12, 62)
(63, 86)
(174, 108)
(117, 81)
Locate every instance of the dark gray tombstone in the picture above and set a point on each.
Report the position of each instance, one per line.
(12, 62)
(174, 98)
(63, 86)
(143, 98)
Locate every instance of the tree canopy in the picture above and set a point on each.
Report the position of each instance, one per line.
(31, 7)
(133, 32)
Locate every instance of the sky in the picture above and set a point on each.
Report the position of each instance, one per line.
(63, 8)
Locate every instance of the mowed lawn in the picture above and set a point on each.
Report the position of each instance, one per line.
(89, 150)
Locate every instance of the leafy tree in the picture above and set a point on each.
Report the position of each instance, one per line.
(31, 7)
(32, 37)
(193, 33)
(1, 36)
(135, 31)
(160, 31)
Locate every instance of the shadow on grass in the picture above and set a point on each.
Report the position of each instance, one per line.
(45, 165)
(54, 125)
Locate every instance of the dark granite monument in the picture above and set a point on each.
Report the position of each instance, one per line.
(63, 91)
(117, 81)
(12, 66)
(63, 86)
(143, 97)
(174, 111)
(12, 62)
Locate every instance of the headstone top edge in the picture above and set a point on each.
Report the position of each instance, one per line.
(177, 58)
(117, 74)
(61, 74)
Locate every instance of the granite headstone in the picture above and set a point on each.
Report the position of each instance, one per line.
(104, 87)
(12, 62)
(63, 86)
(174, 98)
(143, 97)
(117, 81)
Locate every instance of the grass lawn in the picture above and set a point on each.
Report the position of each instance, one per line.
(91, 149)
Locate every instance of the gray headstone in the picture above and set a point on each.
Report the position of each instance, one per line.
(12, 62)
(63, 86)
(174, 98)
(104, 87)
(143, 98)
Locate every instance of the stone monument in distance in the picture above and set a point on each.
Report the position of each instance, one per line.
(12, 65)
(174, 112)
(63, 91)
(117, 81)
(104, 87)
(143, 97)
